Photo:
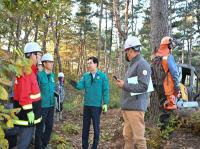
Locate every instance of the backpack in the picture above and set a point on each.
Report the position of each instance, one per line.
(158, 74)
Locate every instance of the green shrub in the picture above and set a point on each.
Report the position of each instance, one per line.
(172, 124)
(59, 142)
(73, 100)
(72, 104)
(193, 122)
(70, 128)
(156, 136)
(115, 95)
(3, 141)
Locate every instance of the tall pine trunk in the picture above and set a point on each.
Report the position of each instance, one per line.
(122, 33)
(99, 32)
(56, 40)
(159, 29)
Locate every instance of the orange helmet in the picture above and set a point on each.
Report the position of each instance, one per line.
(166, 40)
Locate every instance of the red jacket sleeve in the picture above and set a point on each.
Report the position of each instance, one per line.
(26, 90)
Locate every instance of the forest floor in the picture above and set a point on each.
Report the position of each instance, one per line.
(111, 132)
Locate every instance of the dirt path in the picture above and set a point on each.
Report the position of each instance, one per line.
(111, 132)
(111, 129)
(182, 139)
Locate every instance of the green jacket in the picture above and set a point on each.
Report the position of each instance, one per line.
(96, 89)
(47, 88)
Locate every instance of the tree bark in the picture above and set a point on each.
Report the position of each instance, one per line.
(99, 32)
(36, 32)
(45, 33)
(159, 22)
(159, 28)
(122, 33)
(132, 9)
(116, 13)
(182, 52)
(56, 43)
(106, 41)
(190, 50)
(111, 34)
(126, 17)
(18, 31)
(27, 33)
(9, 41)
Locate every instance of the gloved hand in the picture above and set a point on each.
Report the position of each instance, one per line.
(31, 117)
(105, 108)
(73, 83)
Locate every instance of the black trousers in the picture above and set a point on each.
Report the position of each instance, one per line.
(44, 129)
(91, 113)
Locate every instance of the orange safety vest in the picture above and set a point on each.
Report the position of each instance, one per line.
(168, 82)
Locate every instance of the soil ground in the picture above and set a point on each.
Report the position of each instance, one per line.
(111, 132)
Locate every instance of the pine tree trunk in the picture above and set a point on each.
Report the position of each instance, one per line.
(18, 31)
(111, 34)
(132, 9)
(110, 42)
(56, 51)
(99, 32)
(36, 32)
(121, 32)
(45, 32)
(9, 42)
(56, 38)
(159, 22)
(159, 28)
(116, 13)
(190, 51)
(106, 41)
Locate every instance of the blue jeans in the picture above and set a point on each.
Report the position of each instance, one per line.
(91, 113)
(44, 129)
(25, 135)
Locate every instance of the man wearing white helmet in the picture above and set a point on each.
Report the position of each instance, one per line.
(134, 106)
(46, 83)
(60, 89)
(27, 97)
(33, 48)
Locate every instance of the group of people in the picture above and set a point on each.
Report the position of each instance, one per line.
(35, 92)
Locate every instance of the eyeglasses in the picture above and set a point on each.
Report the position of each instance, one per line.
(90, 63)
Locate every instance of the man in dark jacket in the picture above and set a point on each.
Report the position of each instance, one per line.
(134, 99)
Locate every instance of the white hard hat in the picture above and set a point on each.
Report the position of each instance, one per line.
(131, 41)
(61, 74)
(32, 47)
(47, 57)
